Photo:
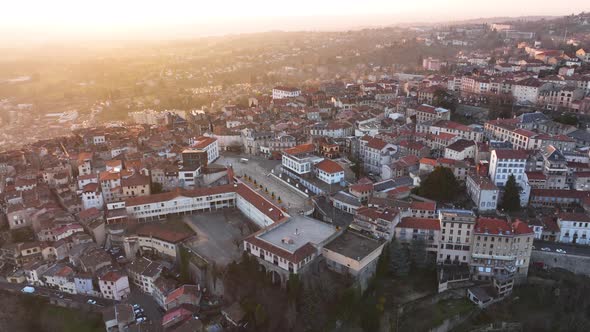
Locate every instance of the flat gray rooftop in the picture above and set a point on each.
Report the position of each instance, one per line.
(353, 245)
(297, 231)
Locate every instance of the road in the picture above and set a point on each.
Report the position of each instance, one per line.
(152, 310)
(569, 249)
(52, 293)
(259, 168)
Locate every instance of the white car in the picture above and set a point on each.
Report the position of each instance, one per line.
(140, 320)
(545, 249)
(91, 301)
(561, 251)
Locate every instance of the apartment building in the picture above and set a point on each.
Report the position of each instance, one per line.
(456, 227)
(501, 248)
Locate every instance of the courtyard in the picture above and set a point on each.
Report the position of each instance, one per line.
(219, 234)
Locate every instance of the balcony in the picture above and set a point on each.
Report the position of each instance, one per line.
(496, 257)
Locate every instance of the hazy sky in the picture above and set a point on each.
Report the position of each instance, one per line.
(46, 19)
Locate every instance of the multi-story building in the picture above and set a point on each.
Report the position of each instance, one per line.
(426, 113)
(289, 247)
(380, 223)
(280, 92)
(554, 168)
(526, 92)
(504, 163)
(329, 171)
(450, 127)
(574, 228)
(375, 153)
(482, 191)
(114, 285)
(209, 145)
(300, 159)
(455, 236)
(413, 228)
(143, 273)
(153, 207)
(501, 248)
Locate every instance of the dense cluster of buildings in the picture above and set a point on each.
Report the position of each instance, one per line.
(85, 212)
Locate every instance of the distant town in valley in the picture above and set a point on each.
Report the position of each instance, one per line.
(419, 177)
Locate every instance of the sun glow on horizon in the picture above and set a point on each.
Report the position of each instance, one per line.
(30, 17)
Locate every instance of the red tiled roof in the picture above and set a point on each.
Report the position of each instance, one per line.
(511, 154)
(300, 149)
(204, 141)
(329, 166)
(90, 188)
(361, 187)
(159, 232)
(574, 217)
(428, 161)
(419, 223)
(493, 226)
(563, 193)
(182, 290)
(112, 276)
(426, 109)
(262, 204)
(428, 206)
(109, 176)
(536, 176)
(376, 143)
(295, 257)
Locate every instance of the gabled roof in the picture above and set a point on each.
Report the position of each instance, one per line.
(419, 223)
(329, 166)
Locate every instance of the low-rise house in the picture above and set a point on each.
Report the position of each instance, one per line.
(114, 285)
(183, 295)
(60, 277)
(143, 273)
(34, 272)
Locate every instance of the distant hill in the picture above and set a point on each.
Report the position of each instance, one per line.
(481, 20)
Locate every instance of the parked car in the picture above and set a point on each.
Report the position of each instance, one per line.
(28, 290)
(545, 249)
(561, 251)
(140, 320)
(91, 301)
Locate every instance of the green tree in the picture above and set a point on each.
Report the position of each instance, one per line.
(260, 315)
(383, 262)
(567, 119)
(418, 253)
(399, 263)
(511, 198)
(440, 185)
(294, 288)
(156, 188)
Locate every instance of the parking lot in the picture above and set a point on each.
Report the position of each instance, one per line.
(151, 310)
(259, 169)
(219, 233)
